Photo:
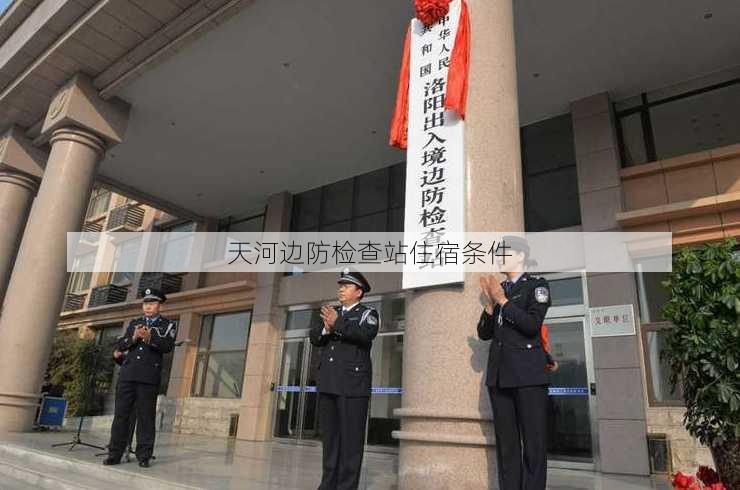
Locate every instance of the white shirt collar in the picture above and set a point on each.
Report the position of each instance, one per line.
(347, 308)
(514, 281)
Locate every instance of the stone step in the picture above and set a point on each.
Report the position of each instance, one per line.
(9, 483)
(45, 470)
(22, 476)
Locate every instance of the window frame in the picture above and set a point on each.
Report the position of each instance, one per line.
(197, 388)
(168, 230)
(645, 329)
(116, 257)
(528, 176)
(74, 275)
(96, 195)
(643, 109)
(353, 215)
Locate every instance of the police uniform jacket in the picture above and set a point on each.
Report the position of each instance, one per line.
(345, 367)
(517, 357)
(143, 360)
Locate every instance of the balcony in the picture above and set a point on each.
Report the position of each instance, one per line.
(107, 295)
(128, 217)
(74, 302)
(167, 283)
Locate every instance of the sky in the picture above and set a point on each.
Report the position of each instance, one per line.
(4, 4)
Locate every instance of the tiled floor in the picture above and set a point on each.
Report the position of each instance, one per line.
(217, 463)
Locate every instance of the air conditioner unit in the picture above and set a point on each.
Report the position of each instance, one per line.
(91, 233)
(126, 218)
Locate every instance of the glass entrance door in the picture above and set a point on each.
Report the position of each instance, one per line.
(570, 436)
(297, 400)
(296, 408)
(289, 389)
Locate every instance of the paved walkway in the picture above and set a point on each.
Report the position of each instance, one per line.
(217, 463)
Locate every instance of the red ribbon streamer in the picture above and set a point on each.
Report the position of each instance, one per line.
(457, 81)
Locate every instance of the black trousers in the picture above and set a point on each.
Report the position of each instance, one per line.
(342, 421)
(139, 399)
(520, 423)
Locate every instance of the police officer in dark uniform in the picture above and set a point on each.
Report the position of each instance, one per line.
(146, 340)
(517, 376)
(346, 334)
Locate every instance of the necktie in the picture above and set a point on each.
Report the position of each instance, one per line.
(507, 287)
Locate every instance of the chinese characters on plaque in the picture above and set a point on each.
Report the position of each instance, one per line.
(435, 175)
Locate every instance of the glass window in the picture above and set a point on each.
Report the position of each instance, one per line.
(124, 261)
(307, 210)
(396, 219)
(109, 334)
(652, 295)
(336, 203)
(80, 281)
(377, 222)
(697, 123)
(176, 246)
(254, 224)
(658, 371)
(224, 245)
(302, 319)
(398, 186)
(688, 122)
(372, 192)
(99, 202)
(228, 332)
(549, 162)
(222, 354)
(340, 227)
(566, 291)
(633, 141)
(547, 210)
(370, 202)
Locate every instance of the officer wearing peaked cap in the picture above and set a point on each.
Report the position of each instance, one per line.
(518, 372)
(146, 340)
(345, 334)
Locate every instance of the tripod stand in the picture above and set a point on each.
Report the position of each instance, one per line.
(76, 439)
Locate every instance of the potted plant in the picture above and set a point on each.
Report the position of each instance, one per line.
(703, 349)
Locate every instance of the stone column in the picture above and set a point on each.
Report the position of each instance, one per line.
(79, 126)
(183, 360)
(621, 416)
(446, 433)
(268, 321)
(20, 174)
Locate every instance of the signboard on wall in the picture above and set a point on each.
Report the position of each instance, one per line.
(612, 321)
(435, 174)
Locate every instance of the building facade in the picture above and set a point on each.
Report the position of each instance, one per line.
(248, 116)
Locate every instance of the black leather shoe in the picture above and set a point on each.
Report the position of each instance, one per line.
(144, 463)
(110, 461)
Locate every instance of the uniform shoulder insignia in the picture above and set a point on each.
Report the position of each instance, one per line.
(542, 294)
(370, 315)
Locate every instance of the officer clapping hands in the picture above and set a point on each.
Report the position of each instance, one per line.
(143, 333)
(493, 291)
(329, 317)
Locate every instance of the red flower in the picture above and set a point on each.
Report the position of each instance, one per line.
(430, 11)
(716, 486)
(684, 482)
(707, 475)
